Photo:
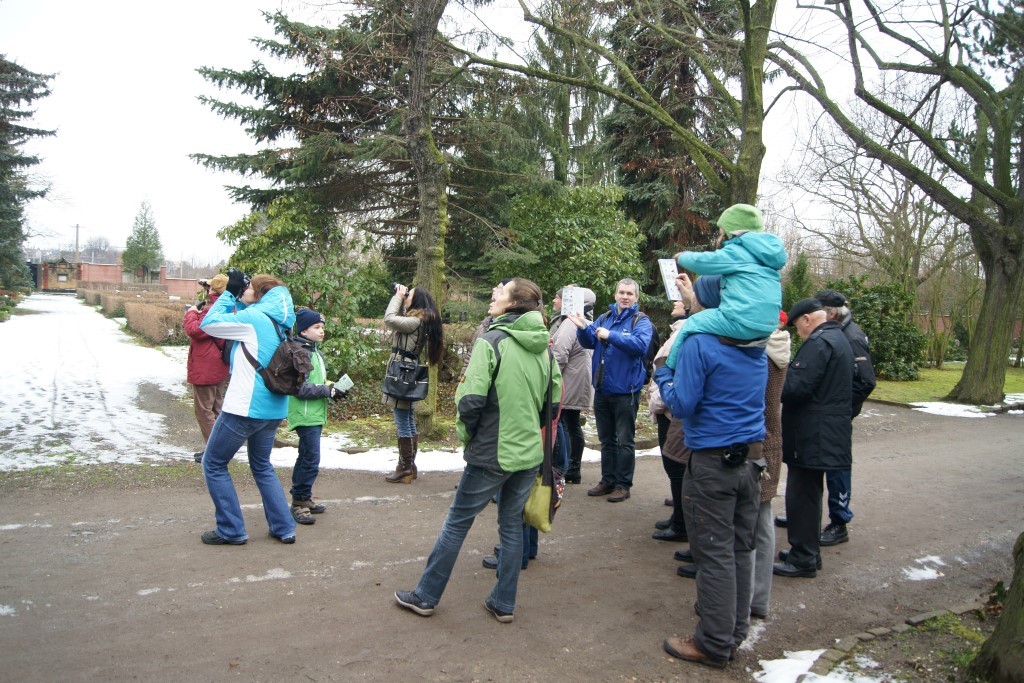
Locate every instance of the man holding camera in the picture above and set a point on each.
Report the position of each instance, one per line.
(717, 391)
(817, 401)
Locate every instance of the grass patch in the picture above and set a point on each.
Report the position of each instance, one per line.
(935, 385)
(938, 651)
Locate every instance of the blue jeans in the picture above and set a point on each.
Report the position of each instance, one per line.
(839, 485)
(475, 491)
(615, 415)
(560, 450)
(228, 435)
(405, 423)
(307, 465)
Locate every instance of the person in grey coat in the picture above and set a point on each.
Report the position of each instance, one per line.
(574, 363)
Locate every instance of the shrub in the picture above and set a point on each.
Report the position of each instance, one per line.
(885, 313)
(160, 323)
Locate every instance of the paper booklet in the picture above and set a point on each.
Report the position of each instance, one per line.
(344, 383)
(669, 271)
(572, 300)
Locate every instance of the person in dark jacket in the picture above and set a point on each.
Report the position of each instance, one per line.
(816, 431)
(620, 344)
(839, 482)
(206, 370)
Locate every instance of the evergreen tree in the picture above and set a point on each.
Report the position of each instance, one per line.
(797, 282)
(143, 250)
(666, 194)
(18, 89)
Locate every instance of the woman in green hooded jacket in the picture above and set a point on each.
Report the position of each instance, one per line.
(500, 402)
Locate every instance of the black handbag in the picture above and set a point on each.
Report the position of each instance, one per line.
(405, 379)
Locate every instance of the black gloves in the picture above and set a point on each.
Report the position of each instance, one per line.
(237, 282)
(337, 393)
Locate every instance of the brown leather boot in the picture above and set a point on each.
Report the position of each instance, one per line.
(415, 450)
(403, 473)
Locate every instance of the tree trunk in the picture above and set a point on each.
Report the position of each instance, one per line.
(743, 181)
(1003, 259)
(431, 176)
(1001, 658)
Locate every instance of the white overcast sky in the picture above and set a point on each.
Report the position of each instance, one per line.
(124, 105)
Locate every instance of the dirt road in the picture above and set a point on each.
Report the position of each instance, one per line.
(115, 585)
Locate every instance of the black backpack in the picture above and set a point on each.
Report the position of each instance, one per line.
(288, 367)
(652, 348)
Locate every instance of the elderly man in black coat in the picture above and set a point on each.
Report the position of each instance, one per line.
(817, 402)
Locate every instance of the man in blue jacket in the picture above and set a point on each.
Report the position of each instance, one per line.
(717, 391)
(620, 338)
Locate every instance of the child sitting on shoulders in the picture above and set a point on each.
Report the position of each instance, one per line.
(749, 262)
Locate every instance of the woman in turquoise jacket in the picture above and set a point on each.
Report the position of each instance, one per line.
(252, 314)
(749, 262)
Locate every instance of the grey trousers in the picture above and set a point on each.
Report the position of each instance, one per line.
(722, 503)
(764, 559)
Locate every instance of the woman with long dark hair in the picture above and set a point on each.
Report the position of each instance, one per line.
(415, 323)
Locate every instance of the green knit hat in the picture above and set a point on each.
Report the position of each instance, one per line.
(741, 217)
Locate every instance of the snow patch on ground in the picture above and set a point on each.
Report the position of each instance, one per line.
(276, 574)
(928, 570)
(70, 389)
(950, 410)
(796, 664)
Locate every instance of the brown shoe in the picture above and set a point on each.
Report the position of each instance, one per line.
(620, 494)
(602, 489)
(687, 650)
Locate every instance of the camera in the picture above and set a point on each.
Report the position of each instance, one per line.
(735, 455)
(396, 285)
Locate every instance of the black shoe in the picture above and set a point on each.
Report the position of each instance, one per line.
(669, 502)
(572, 478)
(663, 523)
(198, 457)
(688, 571)
(683, 556)
(213, 538)
(781, 521)
(287, 540)
(786, 569)
(784, 557)
(834, 534)
(670, 535)
(410, 601)
(490, 562)
(503, 617)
